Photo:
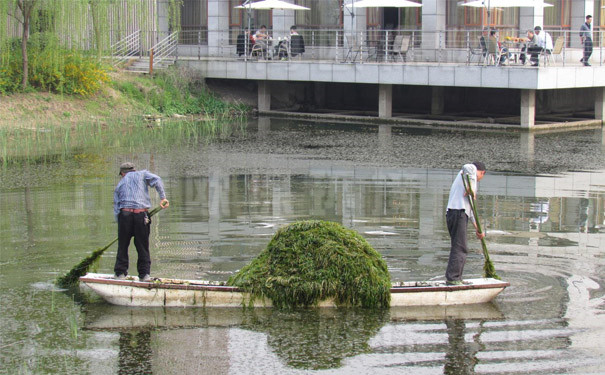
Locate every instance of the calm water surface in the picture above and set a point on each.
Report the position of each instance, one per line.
(542, 202)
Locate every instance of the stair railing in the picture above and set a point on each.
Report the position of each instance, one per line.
(163, 50)
(125, 48)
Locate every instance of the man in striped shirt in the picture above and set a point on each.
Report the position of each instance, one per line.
(130, 203)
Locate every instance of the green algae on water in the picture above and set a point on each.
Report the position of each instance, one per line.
(310, 261)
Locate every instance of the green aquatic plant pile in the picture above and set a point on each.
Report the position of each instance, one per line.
(310, 261)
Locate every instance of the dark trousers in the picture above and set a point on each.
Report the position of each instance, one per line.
(457, 221)
(137, 226)
(587, 49)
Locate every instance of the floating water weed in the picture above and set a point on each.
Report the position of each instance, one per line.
(310, 261)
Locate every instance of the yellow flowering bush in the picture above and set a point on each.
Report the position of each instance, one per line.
(52, 68)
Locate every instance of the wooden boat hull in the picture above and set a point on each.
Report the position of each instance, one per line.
(196, 293)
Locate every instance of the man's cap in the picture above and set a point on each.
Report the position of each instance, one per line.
(126, 167)
(480, 166)
(537, 28)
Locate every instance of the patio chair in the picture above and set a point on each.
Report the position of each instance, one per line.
(396, 46)
(297, 46)
(354, 48)
(402, 51)
(479, 51)
(241, 45)
(260, 49)
(556, 51)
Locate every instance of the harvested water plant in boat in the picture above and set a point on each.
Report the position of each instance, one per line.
(310, 261)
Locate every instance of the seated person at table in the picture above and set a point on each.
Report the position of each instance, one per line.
(532, 48)
(260, 39)
(544, 39)
(494, 38)
(261, 34)
(241, 42)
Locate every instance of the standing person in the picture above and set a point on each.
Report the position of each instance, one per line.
(457, 216)
(586, 37)
(130, 205)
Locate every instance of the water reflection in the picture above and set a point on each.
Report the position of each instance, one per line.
(189, 341)
(543, 209)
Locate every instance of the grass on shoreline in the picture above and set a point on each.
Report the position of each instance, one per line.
(128, 96)
(133, 110)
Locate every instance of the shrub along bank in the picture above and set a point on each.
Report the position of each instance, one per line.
(119, 97)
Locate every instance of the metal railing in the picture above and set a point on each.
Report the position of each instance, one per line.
(163, 50)
(126, 48)
(374, 46)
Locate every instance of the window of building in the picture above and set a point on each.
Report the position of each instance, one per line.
(194, 22)
(464, 24)
(558, 16)
(321, 24)
(395, 18)
(323, 14)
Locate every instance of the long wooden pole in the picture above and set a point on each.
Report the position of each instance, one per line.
(73, 276)
(488, 266)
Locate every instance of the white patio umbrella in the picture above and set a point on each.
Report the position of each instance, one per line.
(491, 4)
(383, 4)
(378, 4)
(271, 4)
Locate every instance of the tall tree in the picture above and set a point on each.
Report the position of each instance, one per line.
(27, 8)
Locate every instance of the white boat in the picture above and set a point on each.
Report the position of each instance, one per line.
(198, 293)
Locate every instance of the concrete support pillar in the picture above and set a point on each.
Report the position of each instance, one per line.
(264, 96)
(579, 10)
(599, 103)
(528, 108)
(385, 101)
(530, 18)
(354, 21)
(433, 25)
(214, 204)
(385, 138)
(527, 142)
(264, 126)
(282, 20)
(319, 97)
(218, 26)
(437, 100)
(163, 26)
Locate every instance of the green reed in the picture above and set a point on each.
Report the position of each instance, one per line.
(57, 143)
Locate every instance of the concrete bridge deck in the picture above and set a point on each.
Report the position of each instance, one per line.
(524, 80)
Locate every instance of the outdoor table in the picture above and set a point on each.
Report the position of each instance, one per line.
(516, 47)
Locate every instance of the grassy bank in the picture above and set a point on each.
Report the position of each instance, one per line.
(127, 97)
(129, 111)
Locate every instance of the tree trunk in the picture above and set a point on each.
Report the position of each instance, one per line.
(26, 7)
(96, 26)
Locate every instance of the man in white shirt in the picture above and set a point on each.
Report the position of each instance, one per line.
(543, 41)
(457, 216)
